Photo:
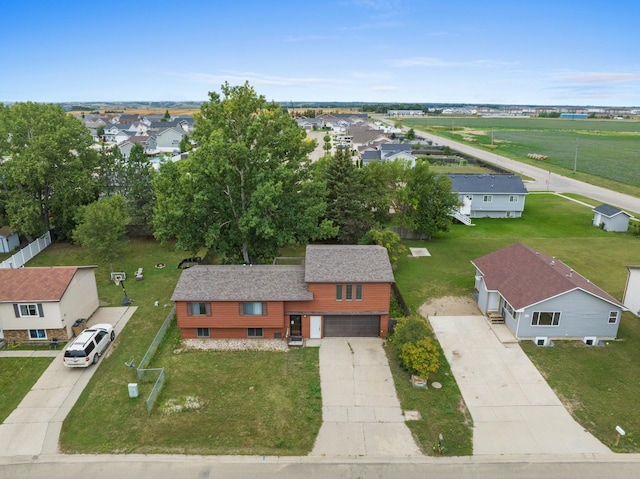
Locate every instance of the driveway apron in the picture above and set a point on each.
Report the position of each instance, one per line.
(360, 409)
(514, 410)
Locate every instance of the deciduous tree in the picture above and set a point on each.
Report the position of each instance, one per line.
(247, 189)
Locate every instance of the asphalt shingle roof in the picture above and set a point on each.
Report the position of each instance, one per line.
(347, 263)
(35, 284)
(608, 210)
(524, 276)
(487, 184)
(242, 283)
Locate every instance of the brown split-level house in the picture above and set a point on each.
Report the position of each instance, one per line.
(337, 291)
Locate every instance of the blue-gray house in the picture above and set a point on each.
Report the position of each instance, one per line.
(541, 298)
(489, 196)
(610, 218)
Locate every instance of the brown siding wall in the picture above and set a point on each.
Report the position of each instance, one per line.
(375, 297)
(21, 335)
(226, 317)
(229, 333)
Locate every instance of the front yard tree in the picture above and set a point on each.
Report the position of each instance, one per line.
(139, 191)
(247, 189)
(101, 227)
(347, 207)
(49, 171)
(428, 201)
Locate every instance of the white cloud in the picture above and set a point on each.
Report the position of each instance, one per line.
(600, 77)
(253, 78)
(439, 62)
(385, 88)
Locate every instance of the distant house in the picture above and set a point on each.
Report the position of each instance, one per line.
(610, 218)
(43, 303)
(539, 296)
(338, 291)
(9, 240)
(489, 196)
(165, 141)
(632, 290)
(310, 123)
(389, 152)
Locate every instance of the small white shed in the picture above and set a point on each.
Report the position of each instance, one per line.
(8, 240)
(611, 218)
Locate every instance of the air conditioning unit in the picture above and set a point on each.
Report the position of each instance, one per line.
(542, 341)
(590, 340)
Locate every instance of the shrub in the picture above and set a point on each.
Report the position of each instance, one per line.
(421, 357)
(409, 330)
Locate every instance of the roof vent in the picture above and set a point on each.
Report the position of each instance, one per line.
(570, 275)
(553, 260)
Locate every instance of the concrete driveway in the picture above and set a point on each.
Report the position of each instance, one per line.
(33, 428)
(513, 409)
(360, 409)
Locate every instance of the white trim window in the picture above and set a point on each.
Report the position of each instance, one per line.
(28, 310)
(37, 334)
(613, 317)
(545, 318)
(487, 198)
(513, 199)
(203, 333)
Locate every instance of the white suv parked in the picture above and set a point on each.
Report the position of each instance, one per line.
(90, 344)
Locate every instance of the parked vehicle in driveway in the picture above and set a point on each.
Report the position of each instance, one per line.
(90, 344)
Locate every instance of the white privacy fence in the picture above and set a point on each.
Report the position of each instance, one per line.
(28, 252)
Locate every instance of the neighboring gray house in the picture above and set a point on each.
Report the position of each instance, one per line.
(489, 196)
(389, 152)
(541, 298)
(165, 141)
(611, 218)
(631, 297)
(9, 240)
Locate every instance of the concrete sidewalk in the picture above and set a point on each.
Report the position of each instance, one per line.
(33, 428)
(360, 409)
(514, 410)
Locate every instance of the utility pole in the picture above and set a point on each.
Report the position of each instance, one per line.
(575, 160)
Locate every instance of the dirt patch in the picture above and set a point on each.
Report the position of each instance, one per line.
(450, 306)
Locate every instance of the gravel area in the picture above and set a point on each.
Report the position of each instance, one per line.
(236, 344)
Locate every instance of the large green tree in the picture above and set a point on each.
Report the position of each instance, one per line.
(49, 168)
(347, 205)
(428, 201)
(101, 227)
(247, 189)
(139, 191)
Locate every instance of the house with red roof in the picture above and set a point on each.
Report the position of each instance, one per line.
(38, 304)
(542, 298)
(339, 290)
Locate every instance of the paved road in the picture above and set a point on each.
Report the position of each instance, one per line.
(198, 467)
(544, 180)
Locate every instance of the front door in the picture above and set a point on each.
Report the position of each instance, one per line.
(295, 324)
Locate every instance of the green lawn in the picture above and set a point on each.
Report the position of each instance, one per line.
(586, 378)
(17, 377)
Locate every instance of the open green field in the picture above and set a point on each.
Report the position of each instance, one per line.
(605, 148)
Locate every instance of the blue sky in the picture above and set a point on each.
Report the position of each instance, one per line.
(551, 52)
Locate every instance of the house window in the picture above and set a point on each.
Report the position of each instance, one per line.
(613, 317)
(255, 333)
(513, 199)
(487, 198)
(253, 309)
(203, 333)
(37, 334)
(338, 292)
(199, 309)
(349, 292)
(358, 292)
(28, 310)
(544, 318)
